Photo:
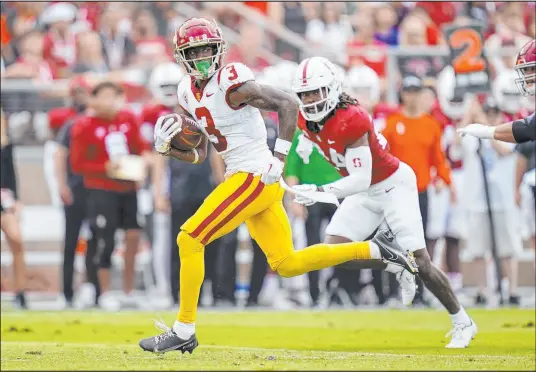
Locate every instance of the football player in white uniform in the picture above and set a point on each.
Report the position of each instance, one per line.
(225, 100)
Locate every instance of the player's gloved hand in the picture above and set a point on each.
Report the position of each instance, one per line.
(302, 199)
(272, 171)
(304, 148)
(477, 130)
(165, 129)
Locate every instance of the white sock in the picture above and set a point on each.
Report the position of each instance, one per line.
(460, 317)
(374, 251)
(184, 330)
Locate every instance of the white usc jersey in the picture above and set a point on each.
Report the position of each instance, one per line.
(238, 134)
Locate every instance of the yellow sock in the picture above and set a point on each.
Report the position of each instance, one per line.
(321, 256)
(192, 255)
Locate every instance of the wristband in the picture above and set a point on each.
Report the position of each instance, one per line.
(196, 156)
(282, 146)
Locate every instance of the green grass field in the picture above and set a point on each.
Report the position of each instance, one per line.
(343, 340)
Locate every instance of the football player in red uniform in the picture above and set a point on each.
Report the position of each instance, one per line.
(379, 190)
(101, 140)
(522, 130)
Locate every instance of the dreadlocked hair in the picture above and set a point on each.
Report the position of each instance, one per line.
(346, 100)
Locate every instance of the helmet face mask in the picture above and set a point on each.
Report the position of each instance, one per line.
(314, 101)
(199, 47)
(526, 69)
(318, 86)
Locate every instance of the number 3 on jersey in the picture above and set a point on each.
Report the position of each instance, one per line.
(218, 140)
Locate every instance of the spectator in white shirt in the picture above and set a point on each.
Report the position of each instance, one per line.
(499, 163)
(330, 32)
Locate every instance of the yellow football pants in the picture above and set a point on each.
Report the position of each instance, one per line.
(244, 198)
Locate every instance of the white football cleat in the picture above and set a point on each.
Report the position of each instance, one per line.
(462, 334)
(408, 286)
(85, 296)
(109, 302)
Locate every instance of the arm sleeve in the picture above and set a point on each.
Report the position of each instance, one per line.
(359, 166)
(293, 159)
(233, 76)
(79, 149)
(524, 130)
(439, 160)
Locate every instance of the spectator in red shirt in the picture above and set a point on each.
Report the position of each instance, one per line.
(440, 12)
(30, 64)
(364, 48)
(101, 141)
(150, 47)
(247, 50)
(60, 42)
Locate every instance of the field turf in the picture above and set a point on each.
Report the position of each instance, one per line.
(334, 340)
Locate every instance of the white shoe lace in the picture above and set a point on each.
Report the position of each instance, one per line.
(168, 332)
(456, 332)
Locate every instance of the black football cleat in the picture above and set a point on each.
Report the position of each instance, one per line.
(391, 252)
(168, 341)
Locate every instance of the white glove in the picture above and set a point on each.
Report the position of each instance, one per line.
(272, 171)
(477, 130)
(166, 127)
(304, 148)
(301, 199)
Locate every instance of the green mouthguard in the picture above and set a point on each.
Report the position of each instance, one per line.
(202, 67)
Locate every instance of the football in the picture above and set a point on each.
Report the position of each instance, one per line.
(189, 137)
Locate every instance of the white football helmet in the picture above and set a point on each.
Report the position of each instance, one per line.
(280, 75)
(318, 74)
(453, 107)
(364, 84)
(505, 92)
(163, 82)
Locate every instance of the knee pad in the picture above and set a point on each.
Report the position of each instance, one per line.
(188, 245)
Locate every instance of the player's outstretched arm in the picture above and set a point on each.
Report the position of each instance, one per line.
(265, 97)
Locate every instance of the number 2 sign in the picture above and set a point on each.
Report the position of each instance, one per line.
(467, 58)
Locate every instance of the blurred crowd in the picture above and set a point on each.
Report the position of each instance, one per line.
(59, 56)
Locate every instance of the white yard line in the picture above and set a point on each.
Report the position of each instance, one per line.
(259, 349)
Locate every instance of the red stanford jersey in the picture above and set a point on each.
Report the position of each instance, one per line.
(95, 141)
(149, 116)
(57, 117)
(61, 54)
(343, 129)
